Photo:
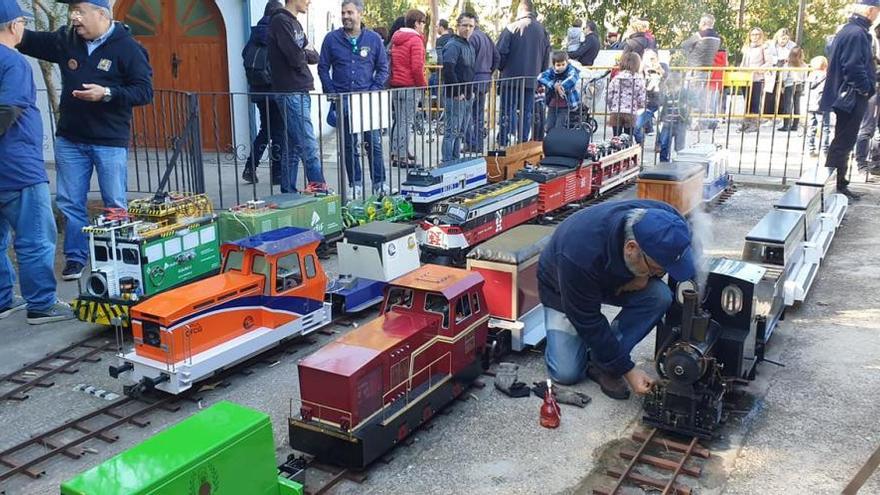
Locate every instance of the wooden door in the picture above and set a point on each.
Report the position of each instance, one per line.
(186, 40)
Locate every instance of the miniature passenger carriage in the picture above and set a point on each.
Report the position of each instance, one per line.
(366, 391)
(713, 160)
(271, 288)
(461, 222)
(424, 186)
(615, 163)
(370, 256)
(157, 244)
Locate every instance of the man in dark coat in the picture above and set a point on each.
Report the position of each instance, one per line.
(486, 62)
(458, 72)
(525, 52)
(851, 78)
(615, 253)
(589, 49)
(105, 73)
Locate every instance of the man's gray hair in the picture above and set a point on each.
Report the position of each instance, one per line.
(632, 218)
(358, 4)
(8, 24)
(707, 20)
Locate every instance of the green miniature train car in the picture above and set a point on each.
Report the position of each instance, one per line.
(388, 208)
(226, 449)
(319, 212)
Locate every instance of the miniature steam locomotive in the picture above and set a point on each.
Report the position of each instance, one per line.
(706, 345)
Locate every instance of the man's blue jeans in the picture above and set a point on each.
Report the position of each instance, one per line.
(567, 353)
(476, 129)
(517, 106)
(74, 163)
(373, 148)
(456, 113)
(271, 131)
(300, 141)
(668, 132)
(28, 212)
(642, 121)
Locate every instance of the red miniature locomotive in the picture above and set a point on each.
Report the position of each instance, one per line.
(367, 390)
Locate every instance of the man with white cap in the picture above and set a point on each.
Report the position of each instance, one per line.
(25, 205)
(104, 74)
(614, 253)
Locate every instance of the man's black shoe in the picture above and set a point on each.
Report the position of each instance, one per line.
(249, 175)
(854, 196)
(614, 387)
(73, 270)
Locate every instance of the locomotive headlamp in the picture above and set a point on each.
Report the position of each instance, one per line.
(732, 299)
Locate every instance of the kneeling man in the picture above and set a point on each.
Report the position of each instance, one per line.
(614, 253)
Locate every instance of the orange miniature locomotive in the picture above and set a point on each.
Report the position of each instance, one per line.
(271, 288)
(367, 390)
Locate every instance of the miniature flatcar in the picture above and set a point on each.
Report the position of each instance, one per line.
(271, 289)
(563, 175)
(461, 222)
(366, 391)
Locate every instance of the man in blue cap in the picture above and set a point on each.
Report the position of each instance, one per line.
(614, 253)
(104, 74)
(25, 205)
(850, 82)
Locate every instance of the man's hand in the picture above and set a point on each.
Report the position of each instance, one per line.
(639, 381)
(635, 284)
(92, 92)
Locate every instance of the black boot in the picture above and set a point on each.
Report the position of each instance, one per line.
(846, 191)
(612, 386)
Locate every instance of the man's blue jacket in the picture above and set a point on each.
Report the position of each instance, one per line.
(345, 67)
(582, 266)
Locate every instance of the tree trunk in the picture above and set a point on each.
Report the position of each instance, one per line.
(435, 15)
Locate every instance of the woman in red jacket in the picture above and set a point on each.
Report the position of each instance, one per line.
(407, 71)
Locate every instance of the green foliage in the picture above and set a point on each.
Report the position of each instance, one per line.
(384, 12)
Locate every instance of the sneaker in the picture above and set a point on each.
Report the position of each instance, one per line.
(614, 387)
(59, 311)
(249, 175)
(18, 303)
(73, 270)
(846, 191)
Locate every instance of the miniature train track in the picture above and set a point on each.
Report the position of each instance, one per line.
(652, 441)
(39, 374)
(861, 477)
(25, 458)
(68, 438)
(296, 466)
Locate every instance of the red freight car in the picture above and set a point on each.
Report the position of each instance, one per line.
(563, 175)
(367, 390)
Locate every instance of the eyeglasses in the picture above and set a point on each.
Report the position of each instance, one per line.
(657, 272)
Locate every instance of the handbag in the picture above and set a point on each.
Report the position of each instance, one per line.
(846, 99)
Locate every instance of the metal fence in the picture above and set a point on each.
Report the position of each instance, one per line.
(365, 142)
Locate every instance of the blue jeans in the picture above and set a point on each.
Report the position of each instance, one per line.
(644, 120)
(567, 353)
(74, 163)
(300, 141)
(456, 115)
(28, 212)
(668, 132)
(271, 130)
(517, 105)
(373, 148)
(476, 129)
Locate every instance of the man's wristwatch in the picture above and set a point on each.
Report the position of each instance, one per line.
(107, 95)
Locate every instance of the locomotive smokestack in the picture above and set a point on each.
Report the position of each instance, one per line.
(690, 298)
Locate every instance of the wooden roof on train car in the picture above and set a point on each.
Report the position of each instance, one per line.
(278, 240)
(448, 281)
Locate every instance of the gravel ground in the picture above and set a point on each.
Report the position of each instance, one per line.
(814, 422)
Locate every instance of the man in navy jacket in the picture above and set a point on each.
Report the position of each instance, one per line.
(614, 253)
(851, 68)
(353, 59)
(486, 61)
(105, 72)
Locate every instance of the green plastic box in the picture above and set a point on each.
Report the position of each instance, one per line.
(321, 212)
(226, 449)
